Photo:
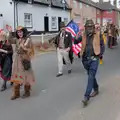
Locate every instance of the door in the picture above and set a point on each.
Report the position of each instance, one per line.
(46, 24)
(59, 21)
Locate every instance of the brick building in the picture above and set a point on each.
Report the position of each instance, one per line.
(101, 12)
(83, 10)
(108, 13)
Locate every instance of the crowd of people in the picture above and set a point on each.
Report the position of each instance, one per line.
(19, 71)
(112, 33)
(94, 39)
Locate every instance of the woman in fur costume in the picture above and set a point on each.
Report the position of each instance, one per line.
(22, 70)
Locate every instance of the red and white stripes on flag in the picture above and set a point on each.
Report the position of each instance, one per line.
(68, 29)
(75, 47)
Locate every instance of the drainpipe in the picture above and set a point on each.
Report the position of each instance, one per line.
(15, 14)
(17, 11)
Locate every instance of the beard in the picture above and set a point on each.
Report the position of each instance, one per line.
(89, 31)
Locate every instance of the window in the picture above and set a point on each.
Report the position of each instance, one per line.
(54, 22)
(87, 6)
(30, 1)
(98, 12)
(109, 11)
(98, 20)
(66, 21)
(77, 19)
(28, 20)
(109, 20)
(80, 5)
(74, 3)
(85, 19)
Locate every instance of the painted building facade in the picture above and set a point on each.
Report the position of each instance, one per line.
(39, 15)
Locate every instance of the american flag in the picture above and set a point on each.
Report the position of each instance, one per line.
(74, 29)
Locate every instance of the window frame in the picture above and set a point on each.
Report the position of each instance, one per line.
(31, 20)
(80, 5)
(54, 22)
(75, 4)
(30, 1)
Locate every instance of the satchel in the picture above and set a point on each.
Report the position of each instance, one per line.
(26, 64)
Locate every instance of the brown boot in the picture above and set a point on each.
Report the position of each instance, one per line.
(27, 89)
(16, 92)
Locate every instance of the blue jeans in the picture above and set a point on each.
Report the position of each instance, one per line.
(91, 65)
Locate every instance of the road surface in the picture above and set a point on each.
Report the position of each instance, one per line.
(60, 98)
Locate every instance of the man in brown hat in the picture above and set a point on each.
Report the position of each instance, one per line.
(91, 50)
(63, 43)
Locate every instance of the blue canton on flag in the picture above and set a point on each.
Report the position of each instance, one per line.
(73, 28)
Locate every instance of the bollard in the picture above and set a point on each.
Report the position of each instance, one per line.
(42, 38)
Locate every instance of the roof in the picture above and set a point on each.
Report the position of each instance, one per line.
(59, 3)
(52, 3)
(100, 5)
(107, 6)
(89, 2)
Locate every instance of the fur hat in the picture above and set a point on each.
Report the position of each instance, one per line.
(19, 28)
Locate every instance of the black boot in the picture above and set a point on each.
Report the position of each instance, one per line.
(11, 83)
(4, 86)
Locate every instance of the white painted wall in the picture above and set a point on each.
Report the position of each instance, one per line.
(38, 12)
(7, 10)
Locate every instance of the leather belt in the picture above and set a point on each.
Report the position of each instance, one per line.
(92, 57)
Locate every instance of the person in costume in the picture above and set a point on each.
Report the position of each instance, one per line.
(6, 53)
(102, 41)
(22, 73)
(63, 43)
(91, 50)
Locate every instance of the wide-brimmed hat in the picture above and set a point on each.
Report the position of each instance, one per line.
(62, 24)
(89, 23)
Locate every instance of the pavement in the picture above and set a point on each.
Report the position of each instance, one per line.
(60, 98)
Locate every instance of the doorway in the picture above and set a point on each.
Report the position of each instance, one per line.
(46, 24)
(59, 21)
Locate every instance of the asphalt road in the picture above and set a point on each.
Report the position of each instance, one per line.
(60, 98)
